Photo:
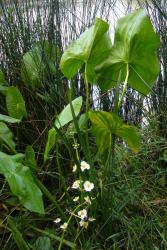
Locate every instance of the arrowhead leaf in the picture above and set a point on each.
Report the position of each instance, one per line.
(21, 183)
(135, 44)
(89, 49)
(105, 124)
(15, 103)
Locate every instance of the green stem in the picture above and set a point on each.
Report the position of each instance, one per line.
(125, 86)
(116, 110)
(81, 139)
(108, 196)
(68, 146)
(117, 105)
(86, 113)
(87, 92)
(62, 237)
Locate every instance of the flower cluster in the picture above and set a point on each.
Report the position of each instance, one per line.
(84, 186)
(86, 200)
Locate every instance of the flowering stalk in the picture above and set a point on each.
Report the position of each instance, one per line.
(81, 140)
(68, 222)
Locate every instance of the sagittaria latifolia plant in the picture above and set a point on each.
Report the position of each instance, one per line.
(131, 59)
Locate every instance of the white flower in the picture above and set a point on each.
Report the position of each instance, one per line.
(82, 214)
(91, 219)
(57, 220)
(74, 168)
(76, 198)
(87, 199)
(83, 223)
(88, 186)
(84, 166)
(76, 184)
(64, 226)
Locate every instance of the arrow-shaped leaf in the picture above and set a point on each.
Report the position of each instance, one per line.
(106, 124)
(21, 183)
(135, 45)
(90, 49)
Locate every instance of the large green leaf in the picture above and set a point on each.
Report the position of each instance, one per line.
(39, 63)
(106, 124)
(15, 103)
(62, 119)
(90, 49)
(66, 115)
(135, 45)
(21, 183)
(6, 136)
